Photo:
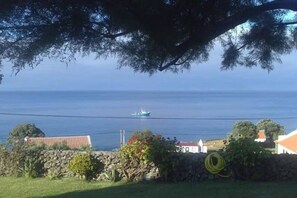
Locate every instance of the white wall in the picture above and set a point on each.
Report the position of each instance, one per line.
(191, 149)
(260, 140)
(280, 150)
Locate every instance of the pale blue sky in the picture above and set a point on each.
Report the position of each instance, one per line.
(89, 74)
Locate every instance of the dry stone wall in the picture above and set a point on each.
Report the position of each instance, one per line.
(186, 167)
(55, 164)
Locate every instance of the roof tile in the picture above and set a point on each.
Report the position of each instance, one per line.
(261, 134)
(289, 143)
(188, 144)
(72, 141)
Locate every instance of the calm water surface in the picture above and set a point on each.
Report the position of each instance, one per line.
(185, 115)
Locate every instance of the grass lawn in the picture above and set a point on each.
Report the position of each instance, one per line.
(42, 187)
(214, 145)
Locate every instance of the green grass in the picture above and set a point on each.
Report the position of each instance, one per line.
(42, 187)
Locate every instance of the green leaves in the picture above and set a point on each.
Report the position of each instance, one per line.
(243, 129)
(145, 147)
(18, 134)
(85, 165)
(148, 36)
(271, 128)
(242, 155)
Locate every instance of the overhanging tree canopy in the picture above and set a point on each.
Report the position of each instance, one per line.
(148, 35)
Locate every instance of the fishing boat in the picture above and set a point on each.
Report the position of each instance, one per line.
(142, 113)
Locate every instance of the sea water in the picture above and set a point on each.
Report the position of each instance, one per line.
(188, 116)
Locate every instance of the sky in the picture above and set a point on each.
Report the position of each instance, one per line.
(103, 74)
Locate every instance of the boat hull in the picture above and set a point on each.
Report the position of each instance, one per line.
(141, 114)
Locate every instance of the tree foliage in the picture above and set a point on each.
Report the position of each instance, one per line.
(271, 128)
(243, 155)
(18, 134)
(148, 35)
(145, 147)
(243, 129)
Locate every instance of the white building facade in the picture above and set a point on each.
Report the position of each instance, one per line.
(287, 143)
(192, 147)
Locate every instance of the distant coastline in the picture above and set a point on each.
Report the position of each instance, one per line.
(165, 91)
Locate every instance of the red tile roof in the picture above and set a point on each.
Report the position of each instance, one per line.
(72, 141)
(188, 144)
(261, 134)
(289, 142)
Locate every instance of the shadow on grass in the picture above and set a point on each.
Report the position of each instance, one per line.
(203, 189)
(123, 190)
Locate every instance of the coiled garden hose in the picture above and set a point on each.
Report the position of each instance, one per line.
(214, 163)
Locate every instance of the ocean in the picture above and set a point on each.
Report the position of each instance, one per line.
(188, 116)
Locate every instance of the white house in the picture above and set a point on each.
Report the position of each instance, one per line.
(192, 147)
(261, 136)
(287, 143)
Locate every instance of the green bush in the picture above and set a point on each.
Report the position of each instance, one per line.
(85, 165)
(243, 129)
(59, 146)
(33, 165)
(21, 160)
(242, 157)
(12, 161)
(112, 174)
(145, 147)
(53, 173)
(17, 135)
(85, 148)
(271, 128)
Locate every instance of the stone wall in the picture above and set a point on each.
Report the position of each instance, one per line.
(187, 167)
(279, 167)
(55, 164)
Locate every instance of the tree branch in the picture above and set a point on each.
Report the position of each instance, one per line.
(243, 16)
(215, 30)
(28, 26)
(286, 23)
(173, 62)
(108, 35)
(11, 44)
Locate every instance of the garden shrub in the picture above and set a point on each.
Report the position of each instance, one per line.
(242, 157)
(85, 148)
(54, 173)
(33, 165)
(12, 161)
(85, 165)
(267, 144)
(112, 174)
(20, 160)
(59, 146)
(145, 147)
(3, 161)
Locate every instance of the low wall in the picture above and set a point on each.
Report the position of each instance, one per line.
(187, 167)
(55, 163)
(279, 167)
